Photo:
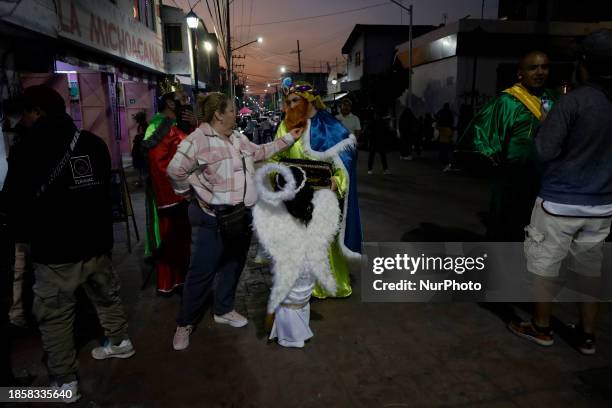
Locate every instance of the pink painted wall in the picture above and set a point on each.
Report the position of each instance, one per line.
(94, 110)
(137, 96)
(95, 106)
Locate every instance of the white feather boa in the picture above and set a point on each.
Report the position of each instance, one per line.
(294, 247)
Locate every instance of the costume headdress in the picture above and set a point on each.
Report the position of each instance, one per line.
(303, 89)
(169, 85)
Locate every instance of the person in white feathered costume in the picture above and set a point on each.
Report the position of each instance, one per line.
(295, 225)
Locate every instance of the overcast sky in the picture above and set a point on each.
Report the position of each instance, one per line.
(321, 39)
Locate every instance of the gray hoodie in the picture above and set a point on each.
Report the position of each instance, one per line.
(575, 145)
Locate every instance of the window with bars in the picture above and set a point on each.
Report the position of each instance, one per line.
(144, 11)
(173, 38)
(151, 9)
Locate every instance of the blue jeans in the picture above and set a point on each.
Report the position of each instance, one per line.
(210, 256)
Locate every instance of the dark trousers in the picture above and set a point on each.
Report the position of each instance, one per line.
(513, 194)
(6, 248)
(210, 256)
(383, 157)
(410, 142)
(446, 150)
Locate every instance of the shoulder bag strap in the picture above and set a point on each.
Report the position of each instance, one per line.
(60, 165)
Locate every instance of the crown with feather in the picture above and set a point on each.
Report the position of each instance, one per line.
(168, 85)
(303, 89)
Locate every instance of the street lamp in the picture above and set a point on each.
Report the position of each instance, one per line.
(193, 22)
(259, 40)
(334, 81)
(208, 47)
(283, 70)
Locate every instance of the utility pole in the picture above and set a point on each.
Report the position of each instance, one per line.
(410, 58)
(236, 67)
(230, 72)
(482, 10)
(276, 98)
(299, 52)
(410, 10)
(194, 34)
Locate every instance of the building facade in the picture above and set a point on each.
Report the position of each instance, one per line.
(180, 45)
(369, 51)
(103, 57)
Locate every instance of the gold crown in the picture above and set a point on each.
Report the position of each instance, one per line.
(167, 86)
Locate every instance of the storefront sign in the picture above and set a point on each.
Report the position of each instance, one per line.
(105, 27)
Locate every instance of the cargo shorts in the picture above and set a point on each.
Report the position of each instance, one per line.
(550, 239)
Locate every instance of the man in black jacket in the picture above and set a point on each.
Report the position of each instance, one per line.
(60, 204)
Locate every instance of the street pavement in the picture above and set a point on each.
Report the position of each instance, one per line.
(363, 354)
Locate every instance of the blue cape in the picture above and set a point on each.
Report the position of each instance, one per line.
(325, 133)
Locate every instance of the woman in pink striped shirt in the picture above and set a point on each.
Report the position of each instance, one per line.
(214, 166)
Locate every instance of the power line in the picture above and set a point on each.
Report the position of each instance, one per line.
(261, 76)
(327, 39)
(234, 11)
(241, 20)
(286, 56)
(250, 19)
(320, 15)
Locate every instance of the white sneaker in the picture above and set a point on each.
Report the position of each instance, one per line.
(123, 350)
(387, 173)
(232, 318)
(70, 392)
(181, 337)
(20, 322)
(370, 171)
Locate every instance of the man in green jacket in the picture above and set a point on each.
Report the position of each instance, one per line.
(502, 134)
